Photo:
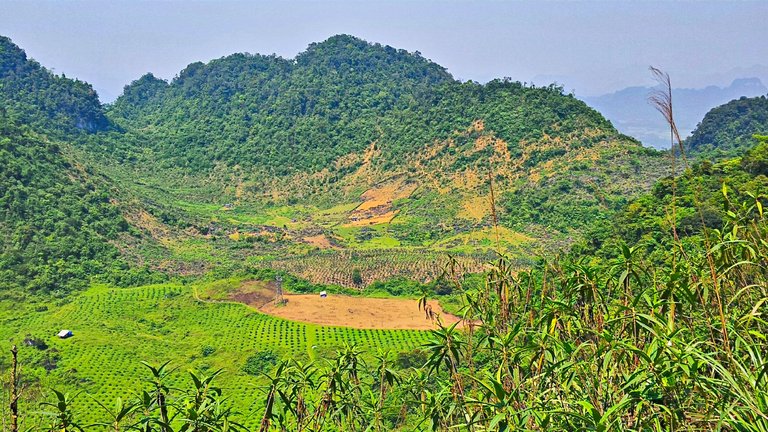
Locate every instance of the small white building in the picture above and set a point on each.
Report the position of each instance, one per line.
(65, 334)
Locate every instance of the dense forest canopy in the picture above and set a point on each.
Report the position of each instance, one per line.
(281, 116)
(57, 219)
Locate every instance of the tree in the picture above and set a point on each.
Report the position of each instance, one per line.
(357, 278)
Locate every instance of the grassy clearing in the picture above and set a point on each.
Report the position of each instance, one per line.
(334, 215)
(192, 249)
(483, 238)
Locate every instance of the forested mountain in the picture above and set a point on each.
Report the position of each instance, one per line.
(283, 115)
(56, 220)
(728, 129)
(357, 116)
(59, 224)
(35, 96)
(349, 145)
(336, 98)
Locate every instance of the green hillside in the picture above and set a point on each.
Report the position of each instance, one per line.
(727, 130)
(666, 337)
(356, 145)
(280, 116)
(592, 288)
(33, 95)
(57, 223)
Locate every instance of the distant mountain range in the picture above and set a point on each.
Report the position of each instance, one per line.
(630, 112)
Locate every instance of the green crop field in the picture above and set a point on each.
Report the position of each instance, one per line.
(115, 329)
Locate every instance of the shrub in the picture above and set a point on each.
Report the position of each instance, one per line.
(357, 278)
(259, 363)
(443, 287)
(411, 359)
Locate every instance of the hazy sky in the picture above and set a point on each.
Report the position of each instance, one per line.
(590, 47)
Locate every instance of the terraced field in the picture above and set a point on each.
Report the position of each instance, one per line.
(338, 267)
(115, 329)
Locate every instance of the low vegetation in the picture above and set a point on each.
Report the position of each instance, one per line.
(160, 323)
(360, 269)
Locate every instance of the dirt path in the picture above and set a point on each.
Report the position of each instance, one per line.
(358, 312)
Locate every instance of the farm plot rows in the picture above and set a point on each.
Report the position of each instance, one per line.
(338, 267)
(115, 329)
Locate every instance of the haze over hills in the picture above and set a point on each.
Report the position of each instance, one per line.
(630, 112)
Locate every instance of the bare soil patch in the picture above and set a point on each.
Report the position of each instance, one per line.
(320, 241)
(254, 293)
(253, 298)
(357, 312)
(376, 207)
